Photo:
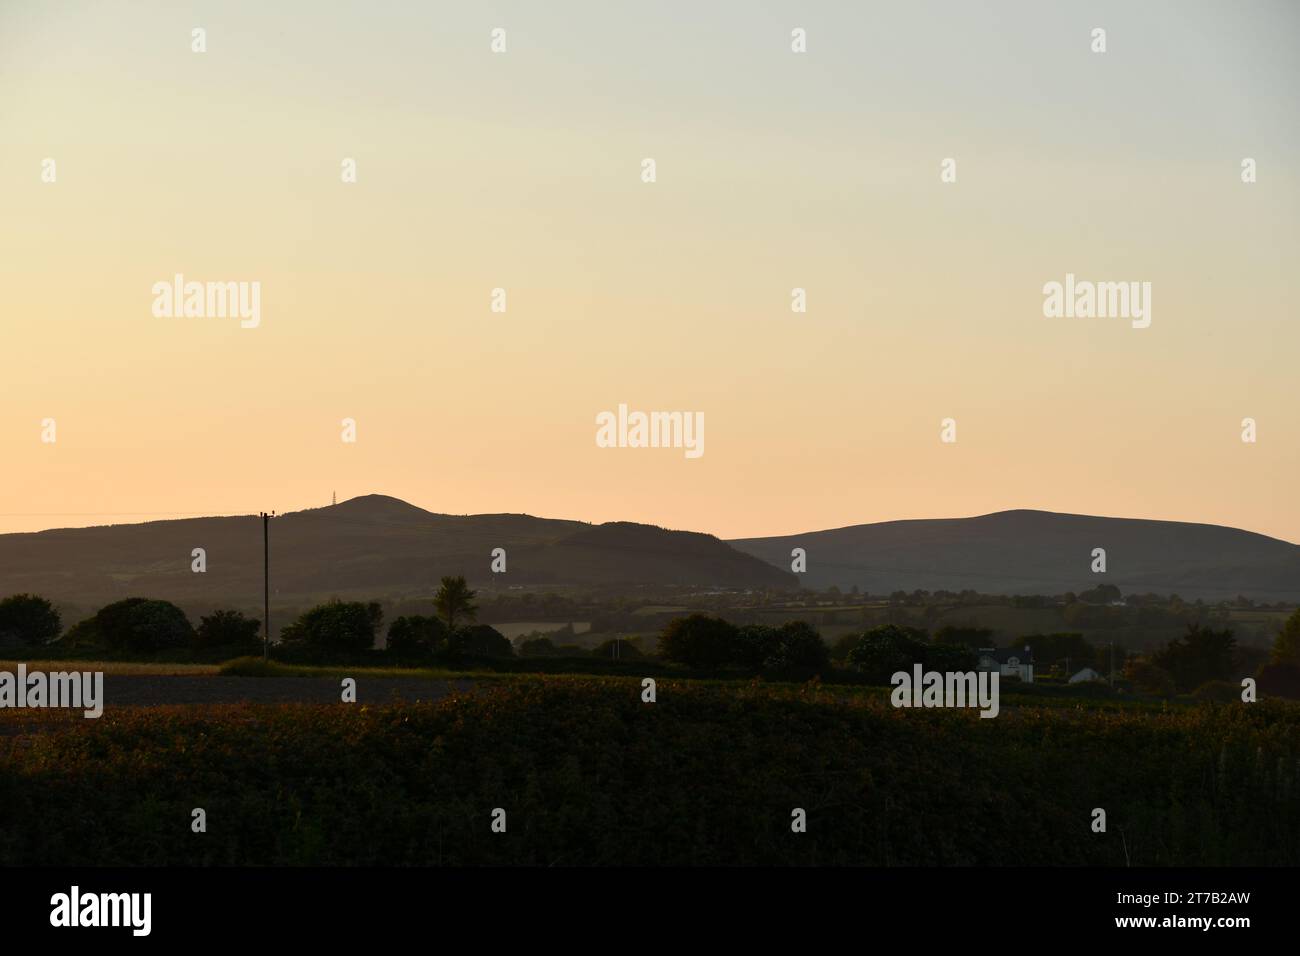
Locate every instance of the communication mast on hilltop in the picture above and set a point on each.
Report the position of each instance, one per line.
(335, 495)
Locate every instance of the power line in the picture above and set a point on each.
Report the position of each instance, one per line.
(233, 513)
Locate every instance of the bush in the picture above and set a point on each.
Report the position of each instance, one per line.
(251, 667)
(28, 620)
(1279, 680)
(1220, 691)
(1286, 648)
(885, 650)
(416, 636)
(843, 645)
(337, 626)
(478, 640)
(1202, 654)
(228, 629)
(1147, 678)
(698, 641)
(796, 652)
(752, 644)
(537, 647)
(135, 625)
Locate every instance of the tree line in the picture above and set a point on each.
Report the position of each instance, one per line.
(1205, 658)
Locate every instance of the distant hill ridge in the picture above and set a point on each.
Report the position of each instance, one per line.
(1042, 552)
(373, 546)
(379, 547)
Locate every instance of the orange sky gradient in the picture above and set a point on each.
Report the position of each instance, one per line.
(522, 170)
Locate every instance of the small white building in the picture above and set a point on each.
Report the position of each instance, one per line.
(1085, 675)
(1008, 662)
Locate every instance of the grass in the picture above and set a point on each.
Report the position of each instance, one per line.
(256, 667)
(133, 668)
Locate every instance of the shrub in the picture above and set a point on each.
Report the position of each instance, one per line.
(1286, 648)
(416, 636)
(228, 629)
(1221, 691)
(26, 619)
(337, 626)
(883, 651)
(478, 640)
(698, 641)
(1147, 678)
(134, 625)
(537, 647)
(843, 645)
(752, 644)
(1279, 680)
(1202, 654)
(796, 652)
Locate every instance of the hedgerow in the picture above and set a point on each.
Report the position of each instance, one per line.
(589, 774)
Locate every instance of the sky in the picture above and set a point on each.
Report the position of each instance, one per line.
(774, 170)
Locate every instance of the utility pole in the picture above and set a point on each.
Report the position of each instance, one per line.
(266, 584)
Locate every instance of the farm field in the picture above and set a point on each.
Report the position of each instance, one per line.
(589, 773)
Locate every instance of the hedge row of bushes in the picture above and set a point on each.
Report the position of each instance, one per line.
(588, 773)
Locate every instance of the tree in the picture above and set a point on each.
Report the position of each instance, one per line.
(843, 645)
(417, 636)
(28, 619)
(1105, 655)
(1101, 594)
(228, 629)
(479, 640)
(796, 651)
(1202, 654)
(136, 625)
(752, 644)
(1286, 649)
(337, 626)
(885, 650)
(1219, 691)
(1279, 680)
(951, 658)
(698, 641)
(455, 600)
(537, 647)
(1149, 678)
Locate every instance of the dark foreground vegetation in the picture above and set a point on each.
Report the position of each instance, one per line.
(588, 773)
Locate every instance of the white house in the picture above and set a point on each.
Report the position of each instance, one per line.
(1008, 662)
(1084, 675)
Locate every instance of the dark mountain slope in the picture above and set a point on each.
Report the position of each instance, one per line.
(1042, 552)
